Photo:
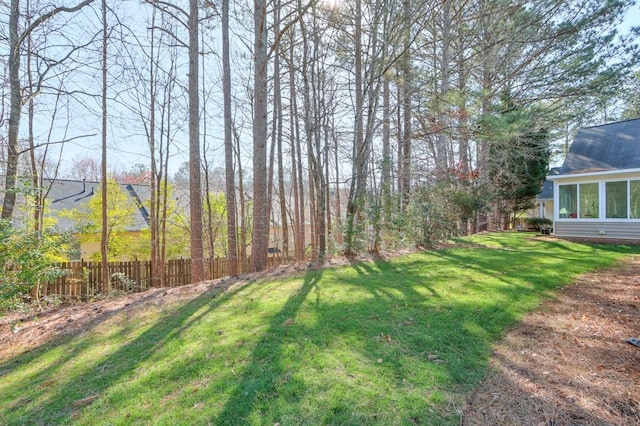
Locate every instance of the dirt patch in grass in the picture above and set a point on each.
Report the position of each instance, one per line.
(21, 332)
(569, 363)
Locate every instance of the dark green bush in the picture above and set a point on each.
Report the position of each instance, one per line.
(538, 222)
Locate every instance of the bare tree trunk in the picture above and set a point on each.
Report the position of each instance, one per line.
(482, 146)
(104, 242)
(339, 234)
(313, 124)
(162, 255)
(35, 173)
(15, 109)
(154, 223)
(463, 121)
(326, 154)
(360, 150)
(195, 186)
(399, 147)
(243, 214)
(313, 213)
(210, 231)
(260, 208)
(230, 186)
(443, 119)
(35, 179)
(162, 189)
(301, 194)
(386, 150)
(297, 225)
(270, 184)
(320, 146)
(277, 111)
(296, 161)
(405, 176)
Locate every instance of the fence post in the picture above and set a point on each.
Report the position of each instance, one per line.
(136, 273)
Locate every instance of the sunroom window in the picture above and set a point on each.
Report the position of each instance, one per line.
(634, 192)
(616, 194)
(589, 201)
(568, 201)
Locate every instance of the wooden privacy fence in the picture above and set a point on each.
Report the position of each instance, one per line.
(82, 279)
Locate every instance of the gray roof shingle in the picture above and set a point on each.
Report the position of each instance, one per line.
(69, 194)
(611, 146)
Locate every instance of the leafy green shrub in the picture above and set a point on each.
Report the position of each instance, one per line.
(430, 216)
(25, 261)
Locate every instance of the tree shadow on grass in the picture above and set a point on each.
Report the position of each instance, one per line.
(264, 370)
(390, 315)
(65, 399)
(391, 332)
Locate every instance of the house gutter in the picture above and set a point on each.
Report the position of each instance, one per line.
(593, 174)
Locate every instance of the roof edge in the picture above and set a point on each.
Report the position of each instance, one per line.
(593, 174)
(612, 123)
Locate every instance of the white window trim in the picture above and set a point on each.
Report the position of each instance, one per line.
(602, 197)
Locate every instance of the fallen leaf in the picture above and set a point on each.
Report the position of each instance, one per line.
(288, 322)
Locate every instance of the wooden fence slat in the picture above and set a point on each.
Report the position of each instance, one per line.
(83, 279)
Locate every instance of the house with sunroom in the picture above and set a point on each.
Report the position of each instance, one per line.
(597, 189)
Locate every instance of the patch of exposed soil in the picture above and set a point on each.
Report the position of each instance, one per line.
(20, 332)
(569, 363)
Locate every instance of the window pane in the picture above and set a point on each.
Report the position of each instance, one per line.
(635, 199)
(616, 200)
(568, 201)
(589, 201)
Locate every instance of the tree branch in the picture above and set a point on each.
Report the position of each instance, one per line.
(55, 143)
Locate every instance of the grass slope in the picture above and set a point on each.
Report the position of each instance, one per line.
(389, 342)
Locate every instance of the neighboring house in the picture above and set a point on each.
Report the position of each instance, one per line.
(65, 195)
(597, 189)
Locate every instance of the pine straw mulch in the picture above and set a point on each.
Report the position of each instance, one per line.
(569, 363)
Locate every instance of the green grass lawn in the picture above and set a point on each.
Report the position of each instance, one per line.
(391, 342)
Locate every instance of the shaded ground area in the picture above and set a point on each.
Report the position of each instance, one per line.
(569, 363)
(566, 364)
(20, 332)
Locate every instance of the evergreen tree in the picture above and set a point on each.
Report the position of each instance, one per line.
(519, 156)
